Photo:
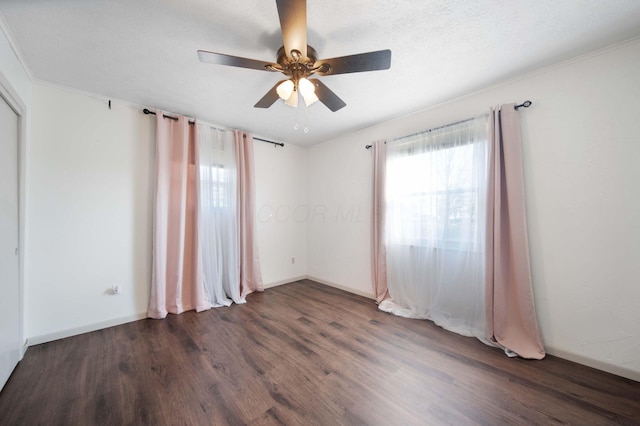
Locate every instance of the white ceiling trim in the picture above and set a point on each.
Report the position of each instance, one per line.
(15, 47)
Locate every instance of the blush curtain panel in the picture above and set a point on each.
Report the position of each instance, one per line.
(451, 215)
(510, 311)
(198, 217)
(250, 276)
(378, 252)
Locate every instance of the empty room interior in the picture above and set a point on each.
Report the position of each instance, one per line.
(319, 212)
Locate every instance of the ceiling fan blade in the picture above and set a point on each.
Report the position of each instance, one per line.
(371, 61)
(326, 96)
(293, 23)
(268, 99)
(234, 61)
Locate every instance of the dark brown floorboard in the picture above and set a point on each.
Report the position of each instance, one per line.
(302, 354)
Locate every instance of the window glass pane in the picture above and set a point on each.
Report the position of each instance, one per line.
(432, 195)
(214, 179)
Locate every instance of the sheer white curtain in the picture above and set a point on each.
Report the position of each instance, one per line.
(435, 226)
(218, 249)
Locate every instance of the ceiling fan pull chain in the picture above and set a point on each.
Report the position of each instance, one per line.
(306, 129)
(295, 125)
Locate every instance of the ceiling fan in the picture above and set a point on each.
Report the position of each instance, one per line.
(298, 61)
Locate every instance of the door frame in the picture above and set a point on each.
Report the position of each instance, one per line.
(15, 102)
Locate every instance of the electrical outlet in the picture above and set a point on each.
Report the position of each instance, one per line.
(115, 290)
(293, 260)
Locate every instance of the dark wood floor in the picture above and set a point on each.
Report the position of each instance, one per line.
(302, 354)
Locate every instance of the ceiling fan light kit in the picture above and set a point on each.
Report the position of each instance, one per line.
(285, 89)
(298, 61)
(292, 100)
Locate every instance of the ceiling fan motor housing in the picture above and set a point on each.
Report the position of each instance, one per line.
(298, 67)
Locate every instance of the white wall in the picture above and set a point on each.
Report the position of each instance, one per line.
(90, 213)
(581, 147)
(281, 203)
(339, 233)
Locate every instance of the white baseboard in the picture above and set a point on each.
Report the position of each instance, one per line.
(594, 363)
(341, 287)
(49, 337)
(287, 281)
(24, 348)
(321, 281)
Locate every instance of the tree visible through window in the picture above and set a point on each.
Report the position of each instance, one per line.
(433, 196)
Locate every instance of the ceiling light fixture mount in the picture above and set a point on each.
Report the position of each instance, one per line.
(297, 68)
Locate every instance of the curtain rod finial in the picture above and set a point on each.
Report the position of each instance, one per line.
(525, 104)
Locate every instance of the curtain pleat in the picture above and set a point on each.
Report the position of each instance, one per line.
(250, 275)
(510, 313)
(378, 252)
(174, 287)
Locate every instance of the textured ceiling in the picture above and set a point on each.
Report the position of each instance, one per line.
(144, 52)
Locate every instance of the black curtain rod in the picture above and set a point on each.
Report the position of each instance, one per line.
(264, 140)
(148, 111)
(525, 104)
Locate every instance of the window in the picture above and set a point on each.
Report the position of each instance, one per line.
(432, 191)
(217, 172)
(214, 179)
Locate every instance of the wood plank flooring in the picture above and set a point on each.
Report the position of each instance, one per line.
(302, 354)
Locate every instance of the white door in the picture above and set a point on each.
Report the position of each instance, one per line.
(10, 321)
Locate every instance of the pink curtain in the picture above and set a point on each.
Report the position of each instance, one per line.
(175, 286)
(510, 313)
(177, 278)
(378, 252)
(250, 275)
